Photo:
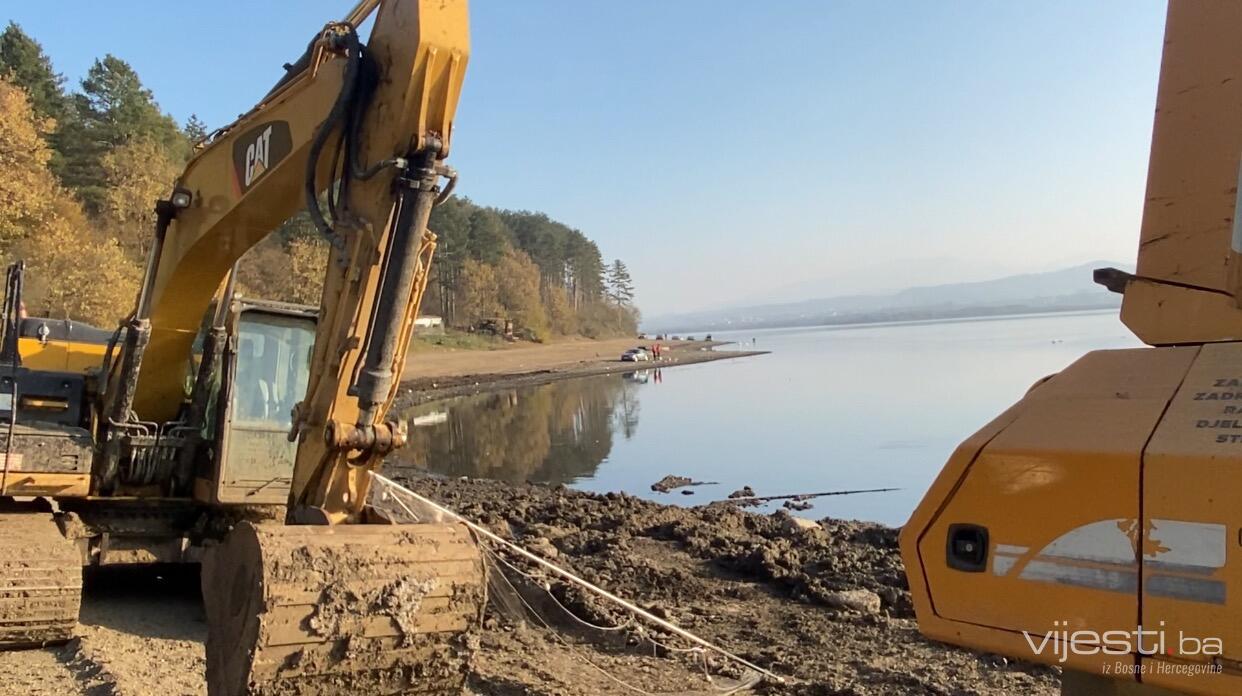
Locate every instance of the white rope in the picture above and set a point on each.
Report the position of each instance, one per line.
(570, 647)
(557, 570)
(703, 653)
(567, 610)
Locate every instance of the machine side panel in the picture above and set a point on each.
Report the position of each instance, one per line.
(1057, 491)
(1191, 475)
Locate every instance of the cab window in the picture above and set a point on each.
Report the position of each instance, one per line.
(273, 364)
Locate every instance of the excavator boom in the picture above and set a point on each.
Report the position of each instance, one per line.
(356, 133)
(1188, 284)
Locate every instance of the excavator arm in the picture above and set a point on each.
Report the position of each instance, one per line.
(375, 122)
(355, 133)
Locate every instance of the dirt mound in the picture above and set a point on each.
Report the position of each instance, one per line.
(824, 603)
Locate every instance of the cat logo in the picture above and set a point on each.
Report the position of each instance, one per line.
(258, 150)
(256, 156)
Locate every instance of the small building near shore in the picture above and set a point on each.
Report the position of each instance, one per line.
(429, 324)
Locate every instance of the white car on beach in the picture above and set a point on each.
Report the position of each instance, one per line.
(639, 354)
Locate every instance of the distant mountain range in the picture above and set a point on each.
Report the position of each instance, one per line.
(1067, 289)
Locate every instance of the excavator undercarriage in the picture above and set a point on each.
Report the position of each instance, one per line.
(40, 580)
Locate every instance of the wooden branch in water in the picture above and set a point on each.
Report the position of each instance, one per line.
(757, 499)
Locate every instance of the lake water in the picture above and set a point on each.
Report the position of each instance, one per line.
(830, 408)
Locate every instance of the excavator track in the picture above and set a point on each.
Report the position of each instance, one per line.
(40, 581)
(357, 609)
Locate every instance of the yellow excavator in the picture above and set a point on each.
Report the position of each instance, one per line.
(1095, 524)
(241, 433)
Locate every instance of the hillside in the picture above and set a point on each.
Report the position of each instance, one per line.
(1061, 290)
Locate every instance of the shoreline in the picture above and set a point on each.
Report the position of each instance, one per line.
(417, 390)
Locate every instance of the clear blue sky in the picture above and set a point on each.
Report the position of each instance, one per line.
(739, 151)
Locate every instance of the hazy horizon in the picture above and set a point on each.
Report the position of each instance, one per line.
(807, 290)
(734, 156)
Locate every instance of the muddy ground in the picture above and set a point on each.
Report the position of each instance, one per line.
(823, 605)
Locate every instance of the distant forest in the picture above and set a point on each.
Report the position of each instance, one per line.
(83, 168)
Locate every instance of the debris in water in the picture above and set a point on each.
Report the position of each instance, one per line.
(748, 501)
(671, 483)
(798, 504)
(743, 492)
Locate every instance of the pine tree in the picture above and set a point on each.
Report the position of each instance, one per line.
(195, 130)
(23, 63)
(620, 285)
(112, 109)
(488, 236)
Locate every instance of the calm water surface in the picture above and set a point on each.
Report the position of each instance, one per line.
(830, 408)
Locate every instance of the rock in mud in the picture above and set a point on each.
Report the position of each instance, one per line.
(798, 505)
(541, 546)
(864, 601)
(795, 524)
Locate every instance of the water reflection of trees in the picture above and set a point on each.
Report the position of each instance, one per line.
(553, 433)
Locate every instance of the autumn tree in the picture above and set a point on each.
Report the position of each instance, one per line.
(288, 265)
(601, 319)
(74, 270)
(518, 286)
(561, 316)
(478, 293)
(26, 189)
(136, 173)
(308, 259)
(77, 272)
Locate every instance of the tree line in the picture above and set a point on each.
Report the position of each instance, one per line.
(545, 276)
(84, 166)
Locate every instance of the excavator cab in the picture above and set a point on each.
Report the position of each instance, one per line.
(262, 377)
(238, 450)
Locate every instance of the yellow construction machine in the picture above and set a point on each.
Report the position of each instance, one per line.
(1095, 525)
(240, 432)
